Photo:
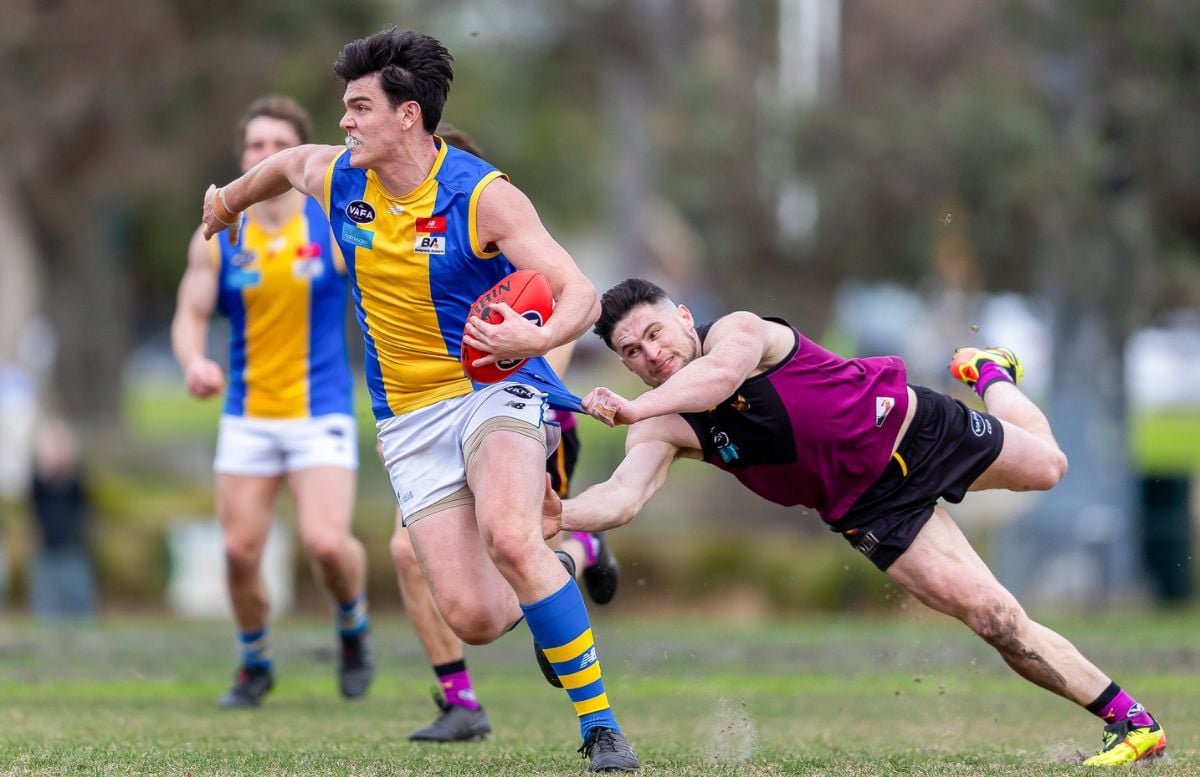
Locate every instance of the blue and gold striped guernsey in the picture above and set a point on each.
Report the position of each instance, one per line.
(417, 266)
(284, 293)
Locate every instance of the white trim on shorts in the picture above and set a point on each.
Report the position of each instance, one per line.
(267, 447)
(426, 450)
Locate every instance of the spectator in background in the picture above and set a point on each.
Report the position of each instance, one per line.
(60, 576)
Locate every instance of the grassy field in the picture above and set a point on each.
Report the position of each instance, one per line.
(850, 695)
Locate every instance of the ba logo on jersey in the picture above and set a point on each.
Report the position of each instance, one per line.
(430, 244)
(360, 212)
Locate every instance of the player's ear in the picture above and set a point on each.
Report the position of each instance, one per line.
(685, 315)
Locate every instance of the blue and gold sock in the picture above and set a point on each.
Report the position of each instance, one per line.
(352, 619)
(255, 654)
(561, 627)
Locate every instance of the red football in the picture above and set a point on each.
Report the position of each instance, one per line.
(525, 291)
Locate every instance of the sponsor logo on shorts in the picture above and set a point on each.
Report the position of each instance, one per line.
(520, 391)
(515, 403)
(336, 431)
(867, 543)
(980, 424)
(407, 497)
(360, 212)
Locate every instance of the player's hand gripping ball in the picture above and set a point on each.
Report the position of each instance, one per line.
(525, 291)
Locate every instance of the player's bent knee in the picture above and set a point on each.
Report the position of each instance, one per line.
(512, 551)
(325, 550)
(242, 559)
(475, 627)
(998, 623)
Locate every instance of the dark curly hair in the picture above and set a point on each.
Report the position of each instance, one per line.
(616, 303)
(411, 66)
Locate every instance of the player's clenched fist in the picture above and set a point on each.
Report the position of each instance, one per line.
(608, 407)
(204, 378)
(217, 215)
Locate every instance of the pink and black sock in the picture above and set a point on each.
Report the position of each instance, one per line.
(989, 373)
(591, 546)
(1115, 705)
(456, 684)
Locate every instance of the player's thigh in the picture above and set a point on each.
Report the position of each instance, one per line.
(943, 571)
(461, 574)
(324, 501)
(245, 508)
(1026, 463)
(507, 475)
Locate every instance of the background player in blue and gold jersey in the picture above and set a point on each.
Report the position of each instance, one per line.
(426, 229)
(288, 409)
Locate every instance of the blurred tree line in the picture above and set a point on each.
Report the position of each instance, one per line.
(1043, 146)
(1060, 138)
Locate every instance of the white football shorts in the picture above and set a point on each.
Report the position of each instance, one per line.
(426, 451)
(266, 447)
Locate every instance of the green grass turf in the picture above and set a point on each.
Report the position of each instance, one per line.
(853, 695)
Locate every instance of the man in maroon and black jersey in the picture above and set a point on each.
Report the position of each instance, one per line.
(849, 438)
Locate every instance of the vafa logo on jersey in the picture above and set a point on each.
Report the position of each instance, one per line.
(360, 212)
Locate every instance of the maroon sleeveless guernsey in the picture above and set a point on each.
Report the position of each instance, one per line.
(814, 430)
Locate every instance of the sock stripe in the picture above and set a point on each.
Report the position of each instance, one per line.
(580, 679)
(595, 704)
(573, 649)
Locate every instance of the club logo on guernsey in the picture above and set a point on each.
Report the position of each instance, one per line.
(883, 407)
(360, 212)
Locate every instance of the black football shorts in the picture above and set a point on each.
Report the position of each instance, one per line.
(946, 448)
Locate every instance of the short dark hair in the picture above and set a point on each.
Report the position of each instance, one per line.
(616, 303)
(459, 139)
(411, 66)
(274, 106)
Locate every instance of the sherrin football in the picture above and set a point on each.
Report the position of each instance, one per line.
(525, 291)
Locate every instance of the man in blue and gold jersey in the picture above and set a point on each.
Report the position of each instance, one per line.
(425, 229)
(288, 409)
(460, 715)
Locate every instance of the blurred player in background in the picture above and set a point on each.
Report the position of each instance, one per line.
(872, 455)
(288, 413)
(461, 717)
(426, 229)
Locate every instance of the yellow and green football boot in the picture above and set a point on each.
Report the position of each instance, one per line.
(1125, 743)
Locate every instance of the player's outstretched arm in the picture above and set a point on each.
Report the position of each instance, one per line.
(301, 167)
(507, 219)
(649, 452)
(189, 328)
(738, 346)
